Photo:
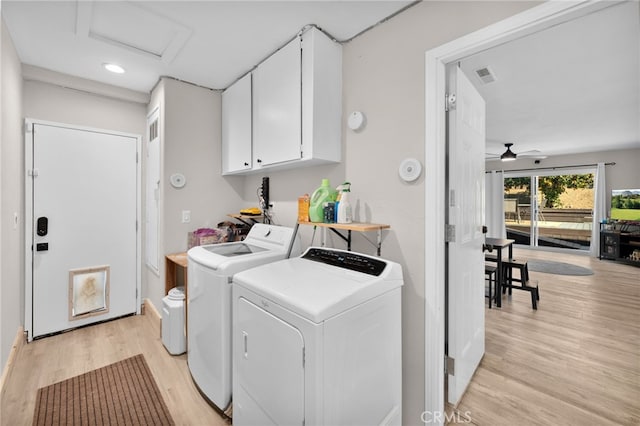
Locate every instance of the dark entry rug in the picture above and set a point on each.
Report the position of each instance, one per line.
(557, 268)
(123, 393)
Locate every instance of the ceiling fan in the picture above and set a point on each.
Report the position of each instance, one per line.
(509, 155)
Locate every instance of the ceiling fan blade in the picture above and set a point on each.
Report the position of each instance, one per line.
(532, 151)
(535, 154)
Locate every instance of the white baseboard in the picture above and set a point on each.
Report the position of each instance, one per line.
(17, 344)
(152, 309)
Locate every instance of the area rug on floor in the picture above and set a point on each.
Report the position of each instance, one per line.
(123, 393)
(558, 268)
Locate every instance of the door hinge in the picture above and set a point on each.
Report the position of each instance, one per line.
(32, 172)
(449, 365)
(450, 101)
(27, 127)
(452, 198)
(449, 233)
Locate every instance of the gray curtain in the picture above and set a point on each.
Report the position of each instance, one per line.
(494, 204)
(599, 208)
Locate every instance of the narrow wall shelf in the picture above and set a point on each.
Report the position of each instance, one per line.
(349, 227)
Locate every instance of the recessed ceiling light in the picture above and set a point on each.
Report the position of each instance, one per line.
(113, 68)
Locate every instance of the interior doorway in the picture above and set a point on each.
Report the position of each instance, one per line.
(531, 21)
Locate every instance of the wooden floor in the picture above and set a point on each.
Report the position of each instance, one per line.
(52, 359)
(574, 361)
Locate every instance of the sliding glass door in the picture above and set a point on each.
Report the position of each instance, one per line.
(551, 209)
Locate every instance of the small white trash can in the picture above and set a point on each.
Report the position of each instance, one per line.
(173, 330)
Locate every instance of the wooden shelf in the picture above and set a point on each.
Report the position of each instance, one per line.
(354, 226)
(247, 219)
(173, 263)
(349, 227)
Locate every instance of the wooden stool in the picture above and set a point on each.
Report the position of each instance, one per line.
(490, 272)
(507, 272)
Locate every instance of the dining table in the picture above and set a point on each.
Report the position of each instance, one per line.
(499, 244)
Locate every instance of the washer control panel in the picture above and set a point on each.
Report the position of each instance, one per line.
(346, 260)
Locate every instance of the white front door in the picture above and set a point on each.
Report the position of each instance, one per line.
(82, 207)
(465, 284)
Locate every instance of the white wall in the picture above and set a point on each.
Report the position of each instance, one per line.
(11, 197)
(190, 137)
(624, 174)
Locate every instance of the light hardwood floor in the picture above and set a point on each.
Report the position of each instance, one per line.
(66, 355)
(574, 361)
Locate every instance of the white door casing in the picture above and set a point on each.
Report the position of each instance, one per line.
(86, 183)
(152, 193)
(466, 146)
(538, 18)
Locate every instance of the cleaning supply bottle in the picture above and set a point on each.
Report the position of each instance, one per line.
(320, 196)
(344, 206)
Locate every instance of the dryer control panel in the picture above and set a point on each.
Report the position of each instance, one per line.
(346, 260)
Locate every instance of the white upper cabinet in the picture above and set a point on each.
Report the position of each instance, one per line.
(297, 108)
(236, 127)
(277, 105)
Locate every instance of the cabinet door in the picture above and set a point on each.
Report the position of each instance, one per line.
(236, 126)
(277, 107)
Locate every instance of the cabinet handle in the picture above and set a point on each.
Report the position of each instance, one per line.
(259, 160)
(246, 164)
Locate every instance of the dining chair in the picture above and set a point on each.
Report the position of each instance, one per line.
(490, 272)
(521, 282)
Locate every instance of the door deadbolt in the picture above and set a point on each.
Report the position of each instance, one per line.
(42, 227)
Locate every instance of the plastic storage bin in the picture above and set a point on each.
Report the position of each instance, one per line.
(173, 329)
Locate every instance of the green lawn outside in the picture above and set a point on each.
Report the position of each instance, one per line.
(625, 214)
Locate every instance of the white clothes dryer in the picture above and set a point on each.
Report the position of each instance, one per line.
(210, 268)
(317, 341)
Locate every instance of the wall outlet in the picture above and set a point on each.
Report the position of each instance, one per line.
(186, 216)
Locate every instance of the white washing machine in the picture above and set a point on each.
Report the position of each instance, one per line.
(209, 303)
(317, 341)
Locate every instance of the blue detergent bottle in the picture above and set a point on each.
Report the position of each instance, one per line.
(324, 194)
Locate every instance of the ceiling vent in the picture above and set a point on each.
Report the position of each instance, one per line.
(485, 75)
(131, 27)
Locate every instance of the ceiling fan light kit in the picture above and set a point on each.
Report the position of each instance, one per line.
(508, 155)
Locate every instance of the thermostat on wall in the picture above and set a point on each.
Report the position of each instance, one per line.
(177, 180)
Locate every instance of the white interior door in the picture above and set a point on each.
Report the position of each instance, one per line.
(83, 190)
(465, 284)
